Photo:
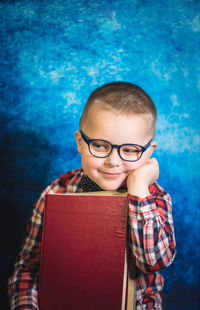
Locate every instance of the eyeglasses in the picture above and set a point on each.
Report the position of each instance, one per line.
(102, 148)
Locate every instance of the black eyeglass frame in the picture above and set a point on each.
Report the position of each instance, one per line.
(88, 141)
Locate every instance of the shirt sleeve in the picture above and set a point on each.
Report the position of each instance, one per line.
(22, 285)
(152, 239)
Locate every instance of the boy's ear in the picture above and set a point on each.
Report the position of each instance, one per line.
(78, 141)
(150, 150)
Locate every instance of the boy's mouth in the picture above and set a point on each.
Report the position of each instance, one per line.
(111, 175)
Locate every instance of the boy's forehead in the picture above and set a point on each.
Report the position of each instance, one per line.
(101, 119)
(99, 109)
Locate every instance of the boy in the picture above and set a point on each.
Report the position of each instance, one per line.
(115, 141)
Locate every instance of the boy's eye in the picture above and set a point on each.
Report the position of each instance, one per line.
(100, 146)
(131, 150)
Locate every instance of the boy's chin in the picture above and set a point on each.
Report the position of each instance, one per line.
(112, 187)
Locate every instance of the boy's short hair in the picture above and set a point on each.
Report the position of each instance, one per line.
(124, 97)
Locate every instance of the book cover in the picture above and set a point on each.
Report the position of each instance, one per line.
(83, 259)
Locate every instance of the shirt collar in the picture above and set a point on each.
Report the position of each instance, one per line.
(90, 186)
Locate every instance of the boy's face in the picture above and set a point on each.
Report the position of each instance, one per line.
(111, 172)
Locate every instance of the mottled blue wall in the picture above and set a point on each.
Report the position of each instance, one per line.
(52, 55)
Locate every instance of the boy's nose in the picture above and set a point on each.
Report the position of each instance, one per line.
(114, 158)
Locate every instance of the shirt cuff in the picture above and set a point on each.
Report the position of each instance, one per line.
(142, 208)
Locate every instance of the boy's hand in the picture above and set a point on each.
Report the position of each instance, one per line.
(138, 180)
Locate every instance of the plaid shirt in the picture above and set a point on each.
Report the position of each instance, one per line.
(152, 243)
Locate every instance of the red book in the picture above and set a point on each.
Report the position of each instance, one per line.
(83, 259)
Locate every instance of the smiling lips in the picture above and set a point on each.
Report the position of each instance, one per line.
(111, 175)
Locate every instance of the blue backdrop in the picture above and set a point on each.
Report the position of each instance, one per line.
(53, 54)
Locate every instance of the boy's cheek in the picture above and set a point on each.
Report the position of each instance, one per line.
(136, 164)
(90, 162)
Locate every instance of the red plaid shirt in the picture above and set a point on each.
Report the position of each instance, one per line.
(152, 245)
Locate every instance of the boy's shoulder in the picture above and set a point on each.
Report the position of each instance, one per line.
(73, 178)
(69, 182)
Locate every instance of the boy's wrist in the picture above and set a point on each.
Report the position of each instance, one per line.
(139, 188)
